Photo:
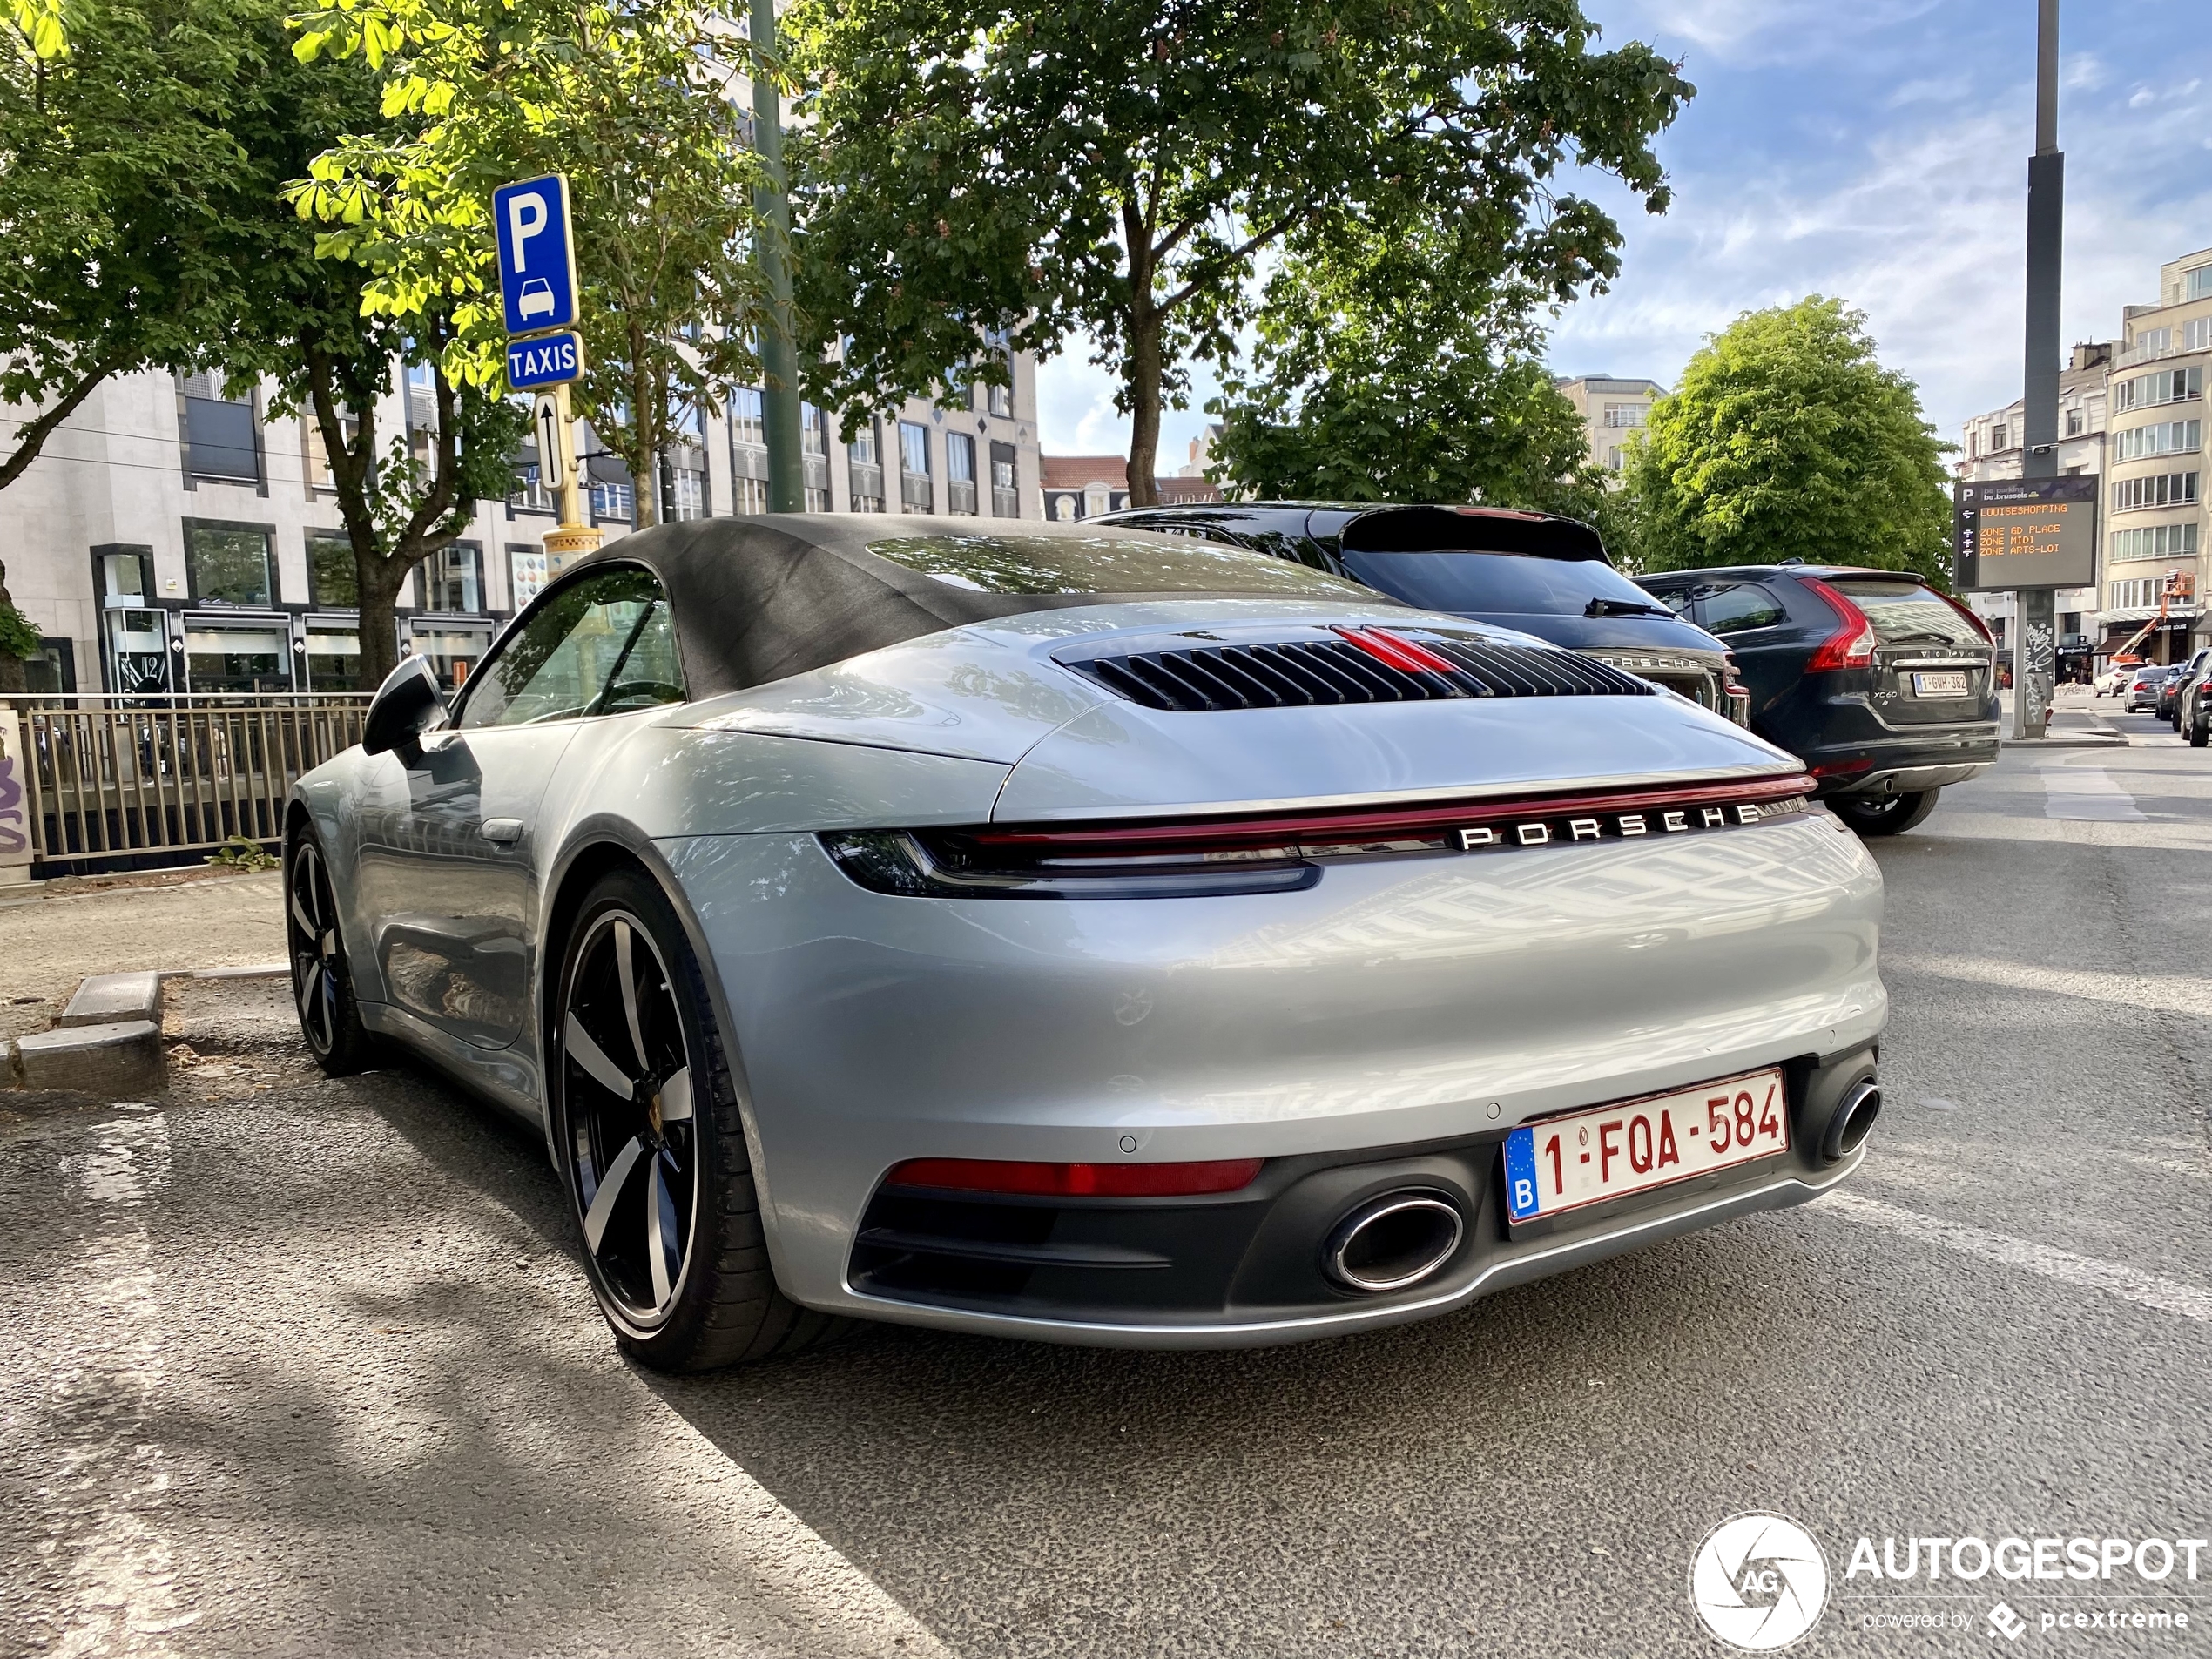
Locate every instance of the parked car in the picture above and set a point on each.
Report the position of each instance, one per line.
(1879, 684)
(1073, 933)
(2114, 679)
(1533, 572)
(2169, 695)
(2193, 711)
(2143, 687)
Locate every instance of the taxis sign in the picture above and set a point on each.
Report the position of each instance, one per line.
(2009, 533)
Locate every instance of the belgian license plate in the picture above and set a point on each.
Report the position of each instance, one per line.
(1940, 684)
(1562, 1163)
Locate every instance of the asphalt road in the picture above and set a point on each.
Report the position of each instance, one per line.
(293, 1366)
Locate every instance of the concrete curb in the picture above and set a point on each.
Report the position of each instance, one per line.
(107, 1041)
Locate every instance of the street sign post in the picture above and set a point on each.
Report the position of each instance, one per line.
(547, 359)
(538, 296)
(537, 284)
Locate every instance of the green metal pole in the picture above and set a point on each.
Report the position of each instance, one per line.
(779, 355)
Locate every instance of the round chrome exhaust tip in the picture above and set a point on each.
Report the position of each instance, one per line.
(1854, 1121)
(1395, 1241)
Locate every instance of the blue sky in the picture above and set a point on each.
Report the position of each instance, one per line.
(1877, 149)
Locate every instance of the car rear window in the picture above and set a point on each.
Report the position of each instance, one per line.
(1106, 564)
(1507, 584)
(1906, 613)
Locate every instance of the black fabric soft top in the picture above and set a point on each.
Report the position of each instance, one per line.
(759, 598)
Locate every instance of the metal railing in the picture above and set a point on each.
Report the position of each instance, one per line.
(111, 777)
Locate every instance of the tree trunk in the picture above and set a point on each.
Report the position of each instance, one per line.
(379, 592)
(1143, 369)
(644, 459)
(31, 437)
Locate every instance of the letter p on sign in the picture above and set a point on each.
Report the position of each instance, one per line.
(537, 284)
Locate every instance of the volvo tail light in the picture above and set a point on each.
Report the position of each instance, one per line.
(1852, 643)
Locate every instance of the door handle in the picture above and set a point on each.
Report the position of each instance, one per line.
(503, 831)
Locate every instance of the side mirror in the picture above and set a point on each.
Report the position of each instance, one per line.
(406, 705)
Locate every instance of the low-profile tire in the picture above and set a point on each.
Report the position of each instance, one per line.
(1885, 814)
(646, 1126)
(322, 982)
(2200, 727)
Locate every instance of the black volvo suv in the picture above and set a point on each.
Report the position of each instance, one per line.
(1533, 572)
(1883, 686)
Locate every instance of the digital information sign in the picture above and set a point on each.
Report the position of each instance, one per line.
(2009, 533)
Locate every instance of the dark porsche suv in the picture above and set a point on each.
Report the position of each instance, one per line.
(1883, 686)
(1534, 572)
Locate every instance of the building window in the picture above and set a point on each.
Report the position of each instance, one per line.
(1006, 495)
(686, 495)
(333, 582)
(527, 571)
(999, 399)
(915, 493)
(2154, 541)
(818, 501)
(960, 474)
(747, 425)
(2162, 438)
(229, 563)
(530, 494)
(1618, 414)
(2152, 342)
(864, 468)
(2196, 334)
(220, 442)
(2141, 593)
(335, 659)
(2074, 423)
(2197, 283)
(239, 659)
(749, 494)
(1997, 436)
(2161, 489)
(611, 499)
(2165, 385)
(453, 578)
(53, 671)
(813, 431)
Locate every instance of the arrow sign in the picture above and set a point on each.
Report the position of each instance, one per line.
(537, 254)
(549, 360)
(551, 455)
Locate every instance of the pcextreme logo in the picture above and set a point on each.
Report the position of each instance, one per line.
(1759, 1581)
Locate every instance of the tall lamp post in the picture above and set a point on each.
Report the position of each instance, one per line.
(2034, 609)
(779, 353)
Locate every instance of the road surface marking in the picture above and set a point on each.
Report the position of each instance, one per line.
(2085, 792)
(2156, 992)
(2128, 1284)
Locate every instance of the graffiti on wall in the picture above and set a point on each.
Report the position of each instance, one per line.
(15, 824)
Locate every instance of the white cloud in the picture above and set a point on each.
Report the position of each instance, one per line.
(1925, 235)
(1740, 31)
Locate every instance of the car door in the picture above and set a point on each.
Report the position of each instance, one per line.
(1751, 620)
(451, 874)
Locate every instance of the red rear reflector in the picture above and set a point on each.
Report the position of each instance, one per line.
(1833, 768)
(1076, 1180)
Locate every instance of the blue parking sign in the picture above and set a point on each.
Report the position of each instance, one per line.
(547, 360)
(537, 254)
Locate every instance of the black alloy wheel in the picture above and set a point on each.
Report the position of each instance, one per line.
(322, 987)
(1883, 814)
(652, 1144)
(2200, 730)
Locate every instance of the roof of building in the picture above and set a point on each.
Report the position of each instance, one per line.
(1073, 472)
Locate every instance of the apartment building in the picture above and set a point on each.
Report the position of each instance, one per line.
(2155, 531)
(1612, 410)
(1990, 447)
(169, 538)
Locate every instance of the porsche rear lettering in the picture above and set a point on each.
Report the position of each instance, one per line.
(1542, 831)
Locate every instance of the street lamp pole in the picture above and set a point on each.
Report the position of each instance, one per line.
(2034, 609)
(778, 351)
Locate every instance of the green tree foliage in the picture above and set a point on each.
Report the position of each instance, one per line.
(114, 152)
(632, 102)
(1119, 169)
(1403, 367)
(1788, 440)
(309, 324)
(18, 640)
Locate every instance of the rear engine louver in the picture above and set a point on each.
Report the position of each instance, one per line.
(1347, 665)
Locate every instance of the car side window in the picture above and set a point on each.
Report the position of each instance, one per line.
(1676, 599)
(1738, 607)
(601, 645)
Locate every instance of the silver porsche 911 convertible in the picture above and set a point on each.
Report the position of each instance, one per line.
(1098, 936)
